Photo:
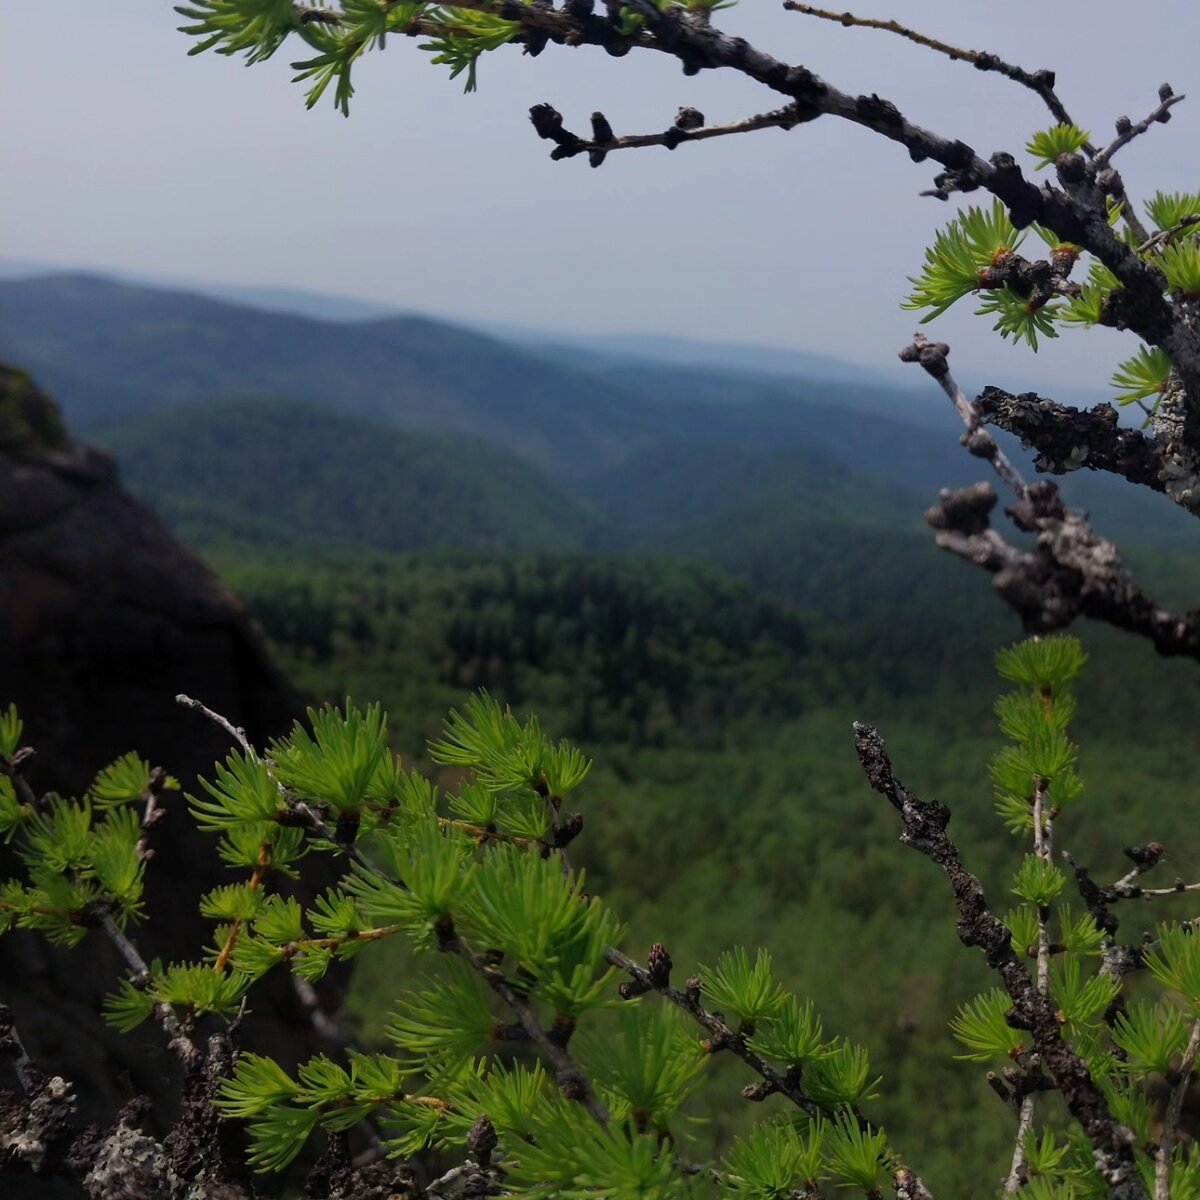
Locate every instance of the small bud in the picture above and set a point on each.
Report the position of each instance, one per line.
(546, 119)
(481, 1140)
(602, 131)
(757, 1092)
(998, 1086)
(1124, 125)
(979, 443)
(1144, 857)
(572, 827)
(21, 759)
(689, 118)
(444, 930)
(658, 965)
(1165, 92)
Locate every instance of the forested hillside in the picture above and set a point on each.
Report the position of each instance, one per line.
(703, 577)
(289, 477)
(725, 794)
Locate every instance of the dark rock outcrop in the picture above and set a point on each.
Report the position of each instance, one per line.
(104, 618)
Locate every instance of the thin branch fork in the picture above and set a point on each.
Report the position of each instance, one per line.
(14, 769)
(300, 813)
(692, 40)
(656, 976)
(1145, 858)
(1166, 1147)
(925, 831)
(1042, 82)
(178, 1040)
(1165, 235)
(1073, 571)
(1126, 132)
(572, 1081)
(721, 1035)
(689, 126)
(932, 357)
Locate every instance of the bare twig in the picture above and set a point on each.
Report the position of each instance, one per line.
(688, 127)
(1165, 235)
(152, 812)
(1156, 893)
(236, 732)
(1017, 1172)
(571, 1079)
(1166, 1144)
(469, 1179)
(14, 768)
(1043, 848)
(300, 813)
(722, 1037)
(1041, 82)
(932, 356)
(925, 831)
(178, 1040)
(1161, 115)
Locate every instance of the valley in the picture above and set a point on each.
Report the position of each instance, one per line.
(703, 573)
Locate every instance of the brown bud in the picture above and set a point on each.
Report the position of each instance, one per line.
(658, 965)
(481, 1140)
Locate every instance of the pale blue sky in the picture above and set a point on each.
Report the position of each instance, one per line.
(120, 152)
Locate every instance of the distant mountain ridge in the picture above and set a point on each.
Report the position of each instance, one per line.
(602, 434)
(620, 347)
(110, 350)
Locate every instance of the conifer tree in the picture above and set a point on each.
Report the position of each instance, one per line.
(533, 1054)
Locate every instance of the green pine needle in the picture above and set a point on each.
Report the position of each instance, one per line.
(1143, 376)
(1047, 145)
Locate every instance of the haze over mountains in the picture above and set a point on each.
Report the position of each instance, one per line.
(402, 433)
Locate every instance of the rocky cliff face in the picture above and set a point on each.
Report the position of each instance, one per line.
(104, 618)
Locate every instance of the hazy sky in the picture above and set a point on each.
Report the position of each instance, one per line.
(120, 152)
